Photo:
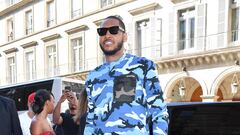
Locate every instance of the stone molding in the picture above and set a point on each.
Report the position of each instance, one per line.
(143, 9)
(10, 50)
(76, 29)
(50, 37)
(29, 44)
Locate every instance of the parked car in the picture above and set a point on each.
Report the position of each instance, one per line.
(200, 118)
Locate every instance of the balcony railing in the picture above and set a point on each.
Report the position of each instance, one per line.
(235, 35)
(29, 30)
(162, 50)
(10, 36)
(105, 3)
(50, 23)
(76, 13)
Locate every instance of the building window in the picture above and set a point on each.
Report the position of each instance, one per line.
(77, 54)
(11, 2)
(50, 13)
(10, 29)
(100, 57)
(105, 3)
(51, 60)
(186, 28)
(30, 65)
(235, 21)
(76, 8)
(234, 1)
(11, 70)
(29, 22)
(143, 38)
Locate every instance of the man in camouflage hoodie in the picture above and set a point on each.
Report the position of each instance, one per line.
(124, 93)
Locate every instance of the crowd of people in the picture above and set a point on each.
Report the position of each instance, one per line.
(121, 96)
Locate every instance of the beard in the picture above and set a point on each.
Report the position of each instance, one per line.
(114, 51)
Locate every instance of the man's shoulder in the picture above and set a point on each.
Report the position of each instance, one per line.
(137, 59)
(6, 103)
(23, 115)
(64, 114)
(97, 70)
(24, 118)
(6, 100)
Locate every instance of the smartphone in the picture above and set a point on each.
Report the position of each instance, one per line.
(67, 89)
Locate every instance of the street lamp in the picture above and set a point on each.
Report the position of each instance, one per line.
(234, 84)
(182, 88)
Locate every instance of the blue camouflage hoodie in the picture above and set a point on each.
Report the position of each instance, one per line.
(124, 97)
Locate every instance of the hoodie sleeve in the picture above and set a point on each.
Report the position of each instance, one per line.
(157, 109)
(89, 127)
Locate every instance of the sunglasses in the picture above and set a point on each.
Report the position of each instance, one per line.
(112, 30)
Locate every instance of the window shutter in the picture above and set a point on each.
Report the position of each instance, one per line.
(171, 43)
(201, 26)
(156, 37)
(110, 2)
(129, 45)
(221, 36)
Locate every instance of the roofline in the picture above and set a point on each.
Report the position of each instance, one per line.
(34, 81)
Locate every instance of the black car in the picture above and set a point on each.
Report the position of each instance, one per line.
(200, 118)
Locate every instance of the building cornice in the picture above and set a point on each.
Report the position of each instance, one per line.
(77, 75)
(50, 37)
(29, 44)
(14, 7)
(186, 61)
(10, 50)
(98, 22)
(76, 29)
(229, 54)
(143, 9)
(70, 21)
(178, 1)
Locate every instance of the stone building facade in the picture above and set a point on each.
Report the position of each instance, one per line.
(195, 43)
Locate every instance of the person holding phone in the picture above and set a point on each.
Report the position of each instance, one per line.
(65, 120)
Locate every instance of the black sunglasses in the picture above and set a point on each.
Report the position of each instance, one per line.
(112, 30)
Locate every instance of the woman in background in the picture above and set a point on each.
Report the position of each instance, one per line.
(80, 117)
(42, 106)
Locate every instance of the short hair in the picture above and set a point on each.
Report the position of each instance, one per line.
(120, 20)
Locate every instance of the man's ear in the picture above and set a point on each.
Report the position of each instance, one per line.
(125, 37)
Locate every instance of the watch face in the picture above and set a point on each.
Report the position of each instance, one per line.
(124, 88)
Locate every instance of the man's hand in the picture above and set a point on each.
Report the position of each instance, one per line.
(71, 97)
(63, 97)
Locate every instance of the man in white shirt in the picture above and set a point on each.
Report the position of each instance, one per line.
(26, 117)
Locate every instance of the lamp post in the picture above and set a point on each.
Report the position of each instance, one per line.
(234, 84)
(182, 89)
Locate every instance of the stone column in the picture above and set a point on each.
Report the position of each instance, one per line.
(209, 98)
